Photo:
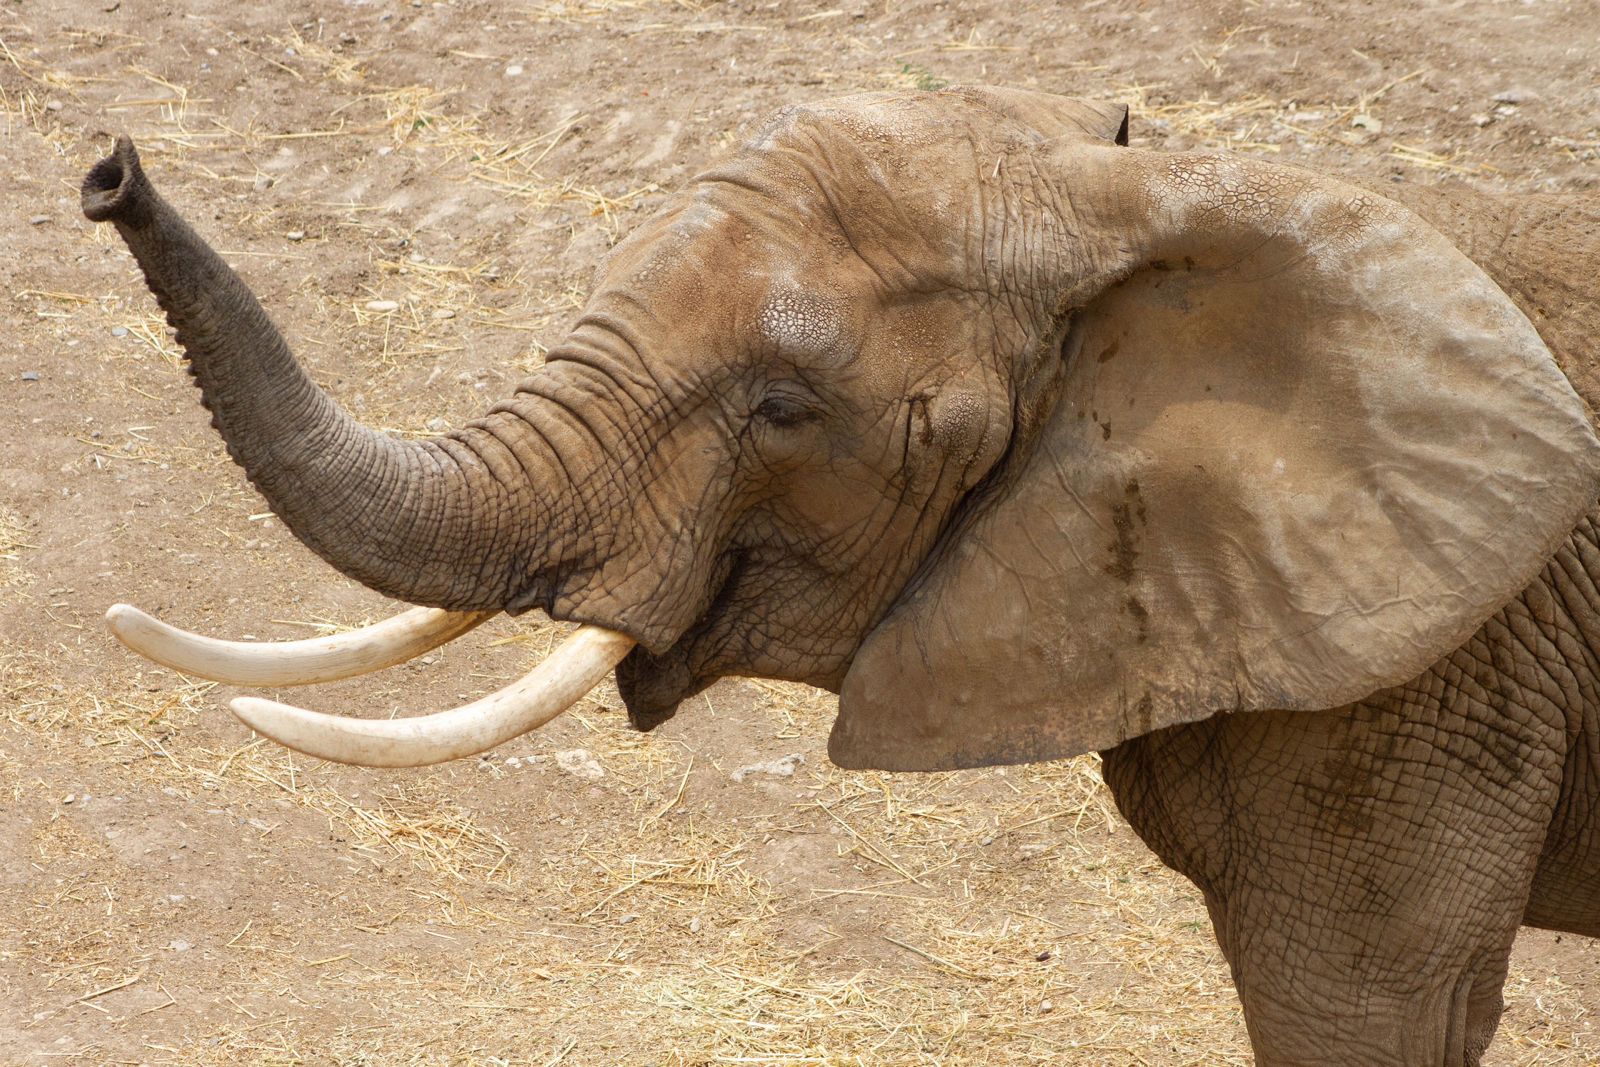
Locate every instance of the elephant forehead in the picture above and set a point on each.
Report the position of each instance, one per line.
(884, 119)
(792, 319)
(887, 158)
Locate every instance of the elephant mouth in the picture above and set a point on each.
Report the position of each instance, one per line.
(653, 685)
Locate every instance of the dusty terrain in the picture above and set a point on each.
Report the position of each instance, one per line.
(172, 891)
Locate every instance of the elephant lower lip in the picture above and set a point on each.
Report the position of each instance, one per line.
(653, 686)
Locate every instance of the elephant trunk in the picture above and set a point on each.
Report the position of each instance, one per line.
(433, 522)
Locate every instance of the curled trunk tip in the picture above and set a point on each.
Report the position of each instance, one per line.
(115, 189)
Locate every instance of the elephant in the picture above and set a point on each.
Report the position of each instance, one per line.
(1028, 443)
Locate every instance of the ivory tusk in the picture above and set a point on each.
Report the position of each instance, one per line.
(539, 696)
(320, 659)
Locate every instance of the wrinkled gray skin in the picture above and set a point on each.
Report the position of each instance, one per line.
(789, 394)
(1366, 869)
(1430, 820)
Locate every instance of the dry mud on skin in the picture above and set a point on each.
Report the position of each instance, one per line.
(173, 892)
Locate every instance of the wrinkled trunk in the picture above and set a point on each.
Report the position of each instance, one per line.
(449, 522)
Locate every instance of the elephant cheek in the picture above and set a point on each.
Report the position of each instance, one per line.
(652, 687)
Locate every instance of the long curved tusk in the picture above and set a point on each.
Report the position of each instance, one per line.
(320, 659)
(539, 696)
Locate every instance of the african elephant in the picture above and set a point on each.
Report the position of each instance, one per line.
(1028, 444)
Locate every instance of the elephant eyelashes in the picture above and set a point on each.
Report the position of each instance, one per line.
(784, 411)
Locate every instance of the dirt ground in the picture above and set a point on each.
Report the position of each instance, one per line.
(172, 891)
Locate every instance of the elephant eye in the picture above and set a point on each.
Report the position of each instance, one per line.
(784, 411)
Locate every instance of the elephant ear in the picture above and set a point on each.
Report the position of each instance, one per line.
(1301, 449)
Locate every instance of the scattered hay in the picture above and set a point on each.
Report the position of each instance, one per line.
(1235, 124)
(1260, 124)
(1453, 163)
(588, 10)
(145, 730)
(14, 541)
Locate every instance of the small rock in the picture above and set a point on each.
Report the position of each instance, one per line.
(69, 798)
(1045, 1005)
(179, 946)
(513, 762)
(385, 150)
(438, 425)
(694, 925)
(580, 764)
(782, 767)
(1514, 96)
(444, 313)
(514, 70)
(1368, 123)
(52, 105)
(262, 183)
(1480, 119)
(383, 305)
(296, 235)
(30, 375)
(119, 331)
(38, 220)
(624, 920)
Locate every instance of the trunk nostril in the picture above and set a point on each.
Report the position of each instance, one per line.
(103, 178)
(110, 188)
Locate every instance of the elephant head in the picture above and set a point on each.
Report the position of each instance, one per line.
(1023, 441)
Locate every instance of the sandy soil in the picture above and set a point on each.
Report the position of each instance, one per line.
(173, 892)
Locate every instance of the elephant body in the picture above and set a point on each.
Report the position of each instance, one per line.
(1388, 851)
